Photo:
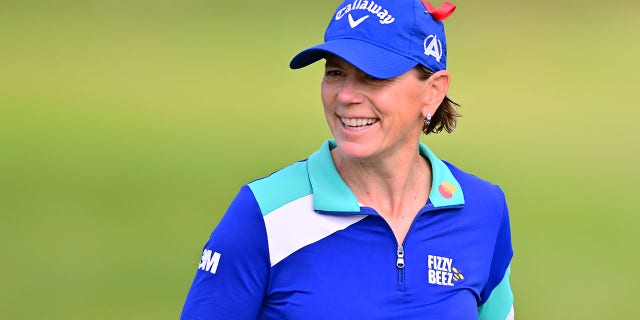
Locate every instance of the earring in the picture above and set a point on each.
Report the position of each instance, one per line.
(427, 120)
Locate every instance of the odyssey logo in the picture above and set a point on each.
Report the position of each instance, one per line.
(365, 5)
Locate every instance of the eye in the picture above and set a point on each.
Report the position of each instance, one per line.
(333, 73)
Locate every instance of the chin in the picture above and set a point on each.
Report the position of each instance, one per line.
(354, 150)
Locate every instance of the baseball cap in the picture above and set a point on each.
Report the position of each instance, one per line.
(384, 38)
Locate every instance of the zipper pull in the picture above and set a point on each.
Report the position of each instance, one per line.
(400, 261)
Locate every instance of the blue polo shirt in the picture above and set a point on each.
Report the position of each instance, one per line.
(298, 245)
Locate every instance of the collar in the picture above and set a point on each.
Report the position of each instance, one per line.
(331, 193)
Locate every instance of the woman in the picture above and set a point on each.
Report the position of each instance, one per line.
(373, 225)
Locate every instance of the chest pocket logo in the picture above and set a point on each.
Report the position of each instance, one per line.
(442, 272)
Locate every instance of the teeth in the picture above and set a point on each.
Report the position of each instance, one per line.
(357, 122)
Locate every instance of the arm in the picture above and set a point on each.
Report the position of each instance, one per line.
(232, 275)
(500, 303)
(497, 297)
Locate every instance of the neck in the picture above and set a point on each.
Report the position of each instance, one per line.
(395, 185)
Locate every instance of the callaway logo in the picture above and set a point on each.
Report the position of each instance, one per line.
(355, 23)
(433, 47)
(370, 6)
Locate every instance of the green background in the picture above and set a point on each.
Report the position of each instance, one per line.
(126, 128)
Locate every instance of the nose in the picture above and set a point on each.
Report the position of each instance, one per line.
(350, 92)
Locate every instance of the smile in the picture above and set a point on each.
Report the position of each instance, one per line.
(357, 123)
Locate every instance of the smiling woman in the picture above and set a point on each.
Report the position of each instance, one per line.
(373, 225)
(371, 117)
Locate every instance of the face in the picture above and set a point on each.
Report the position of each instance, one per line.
(373, 118)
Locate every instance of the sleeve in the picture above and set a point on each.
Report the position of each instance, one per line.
(232, 275)
(497, 297)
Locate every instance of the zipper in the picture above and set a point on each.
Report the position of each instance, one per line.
(400, 263)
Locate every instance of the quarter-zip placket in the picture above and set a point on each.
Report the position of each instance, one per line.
(400, 263)
(400, 247)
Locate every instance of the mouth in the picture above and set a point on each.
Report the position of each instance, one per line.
(358, 123)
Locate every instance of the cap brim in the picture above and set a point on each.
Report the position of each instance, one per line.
(370, 59)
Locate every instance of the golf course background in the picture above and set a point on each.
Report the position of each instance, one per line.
(126, 128)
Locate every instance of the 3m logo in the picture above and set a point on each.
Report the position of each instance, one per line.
(210, 261)
(442, 272)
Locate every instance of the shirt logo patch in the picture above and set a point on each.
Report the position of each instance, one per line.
(447, 190)
(433, 47)
(210, 261)
(442, 272)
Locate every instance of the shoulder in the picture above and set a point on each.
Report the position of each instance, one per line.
(476, 188)
(281, 187)
(485, 204)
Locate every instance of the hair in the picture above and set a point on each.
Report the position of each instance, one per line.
(447, 114)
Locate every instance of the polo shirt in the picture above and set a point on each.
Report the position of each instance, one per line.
(298, 245)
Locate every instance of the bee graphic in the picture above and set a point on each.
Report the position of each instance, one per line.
(457, 275)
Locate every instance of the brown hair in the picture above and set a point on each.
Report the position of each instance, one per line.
(447, 114)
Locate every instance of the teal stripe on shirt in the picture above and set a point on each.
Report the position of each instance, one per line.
(500, 301)
(281, 187)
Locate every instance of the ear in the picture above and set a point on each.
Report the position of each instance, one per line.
(436, 88)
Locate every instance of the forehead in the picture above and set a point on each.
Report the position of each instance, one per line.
(333, 61)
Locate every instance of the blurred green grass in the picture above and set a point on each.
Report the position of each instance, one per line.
(126, 127)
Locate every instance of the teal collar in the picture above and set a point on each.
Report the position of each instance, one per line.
(331, 193)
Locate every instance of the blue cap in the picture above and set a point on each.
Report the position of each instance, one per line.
(384, 38)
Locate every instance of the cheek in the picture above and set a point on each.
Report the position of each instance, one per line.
(410, 111)
(415, 104)
(326, 96)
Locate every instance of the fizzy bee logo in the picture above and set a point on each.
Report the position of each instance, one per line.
(457, 275)
(442, 272)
